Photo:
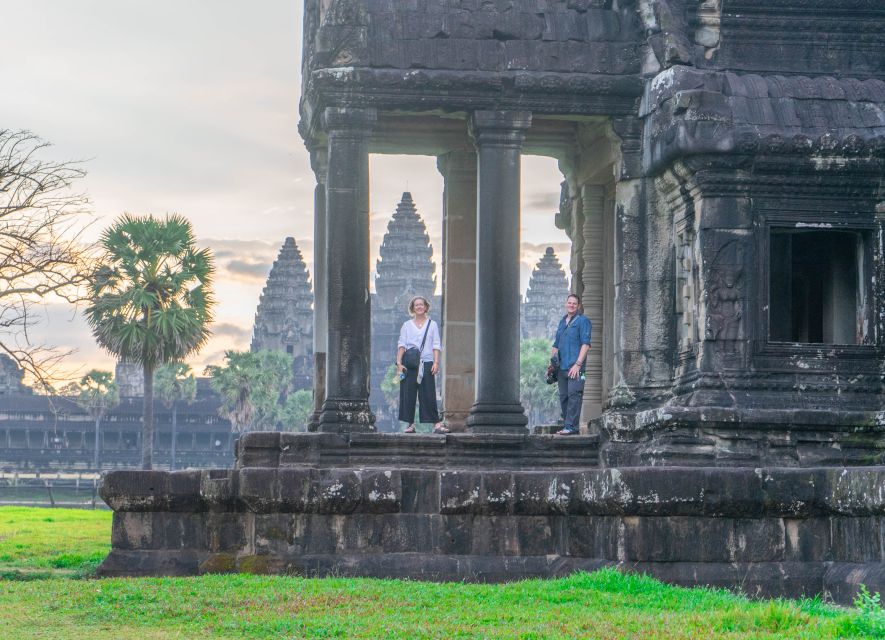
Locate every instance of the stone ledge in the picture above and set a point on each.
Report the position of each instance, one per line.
(749, 438)
(456, 450)
(629, 491)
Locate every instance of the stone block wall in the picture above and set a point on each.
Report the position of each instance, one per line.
(526, 35)
(767, 531)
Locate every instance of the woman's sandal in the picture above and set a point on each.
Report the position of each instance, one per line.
(441, 429)
(410, 429)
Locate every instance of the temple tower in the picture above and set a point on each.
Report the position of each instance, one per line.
(284, 319)
(11, 377)
(544, 298)
(405, 269)
(129, 377)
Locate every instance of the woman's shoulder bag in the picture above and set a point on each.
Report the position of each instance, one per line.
(412, 355)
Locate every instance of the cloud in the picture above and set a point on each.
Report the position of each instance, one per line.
(560, 248)
(231, 330)
(215, 357)
(257, 271)
(545, 200)
(250, 261)
(231, 248)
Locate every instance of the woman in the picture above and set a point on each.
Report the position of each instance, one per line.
(420, 333)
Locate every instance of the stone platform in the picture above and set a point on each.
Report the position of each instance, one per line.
(752, 437)
(454, 451)
(767, 531)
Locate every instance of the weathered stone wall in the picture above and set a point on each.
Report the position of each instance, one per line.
(811, 37)
(767, 531)
(547, 35)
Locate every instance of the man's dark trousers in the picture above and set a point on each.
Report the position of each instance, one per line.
(571, 394)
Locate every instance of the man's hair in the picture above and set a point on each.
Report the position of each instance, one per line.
(575, 296)
(414, 300)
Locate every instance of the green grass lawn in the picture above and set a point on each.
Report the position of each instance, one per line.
(605, 604)
(39, 543)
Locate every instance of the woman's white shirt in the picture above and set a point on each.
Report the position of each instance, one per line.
(411, 335)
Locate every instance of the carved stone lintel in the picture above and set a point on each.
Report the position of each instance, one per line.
(349, 119)
(500, 128)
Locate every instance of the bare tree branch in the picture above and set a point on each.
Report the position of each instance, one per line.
(43, 255)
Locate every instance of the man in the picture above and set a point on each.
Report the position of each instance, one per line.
(571, 345)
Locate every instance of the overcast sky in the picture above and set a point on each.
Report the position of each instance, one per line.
(192, 107)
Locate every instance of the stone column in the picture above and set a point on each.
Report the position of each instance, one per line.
(319, 160)
(498, 136)
(346, 406)
(459, 285)
(593, 298)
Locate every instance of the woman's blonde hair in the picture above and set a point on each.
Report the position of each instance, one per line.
(414, 300)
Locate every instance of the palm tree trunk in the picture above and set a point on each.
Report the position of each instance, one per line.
(147, 429)
(97, 444)
(174, 433)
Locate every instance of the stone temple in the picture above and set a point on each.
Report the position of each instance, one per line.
(284, 319)
(11, 377)
(545, 298)
(723, 166)
(404, 270)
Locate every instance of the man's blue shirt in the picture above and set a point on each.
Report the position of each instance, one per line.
(569, 339)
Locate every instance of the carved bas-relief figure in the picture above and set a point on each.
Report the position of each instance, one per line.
(726, 296)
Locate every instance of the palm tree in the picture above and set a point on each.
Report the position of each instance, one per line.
(151, 301)
(540, 399)
(97, 394)
(174, 383)
(254, 386)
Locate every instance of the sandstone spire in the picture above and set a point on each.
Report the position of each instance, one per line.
(284, 319)
(544, 298)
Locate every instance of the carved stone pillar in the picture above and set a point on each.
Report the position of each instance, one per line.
(319, 160)
(593, 280)
(346, 406)
(459, 285)
(498, 136)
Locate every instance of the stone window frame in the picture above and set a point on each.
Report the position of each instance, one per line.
(869, 226)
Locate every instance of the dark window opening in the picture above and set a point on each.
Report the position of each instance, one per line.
(18, 439)
(290, 348)
(110, 440)
(815, 291)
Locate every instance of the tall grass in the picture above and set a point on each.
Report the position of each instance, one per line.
(604, 604)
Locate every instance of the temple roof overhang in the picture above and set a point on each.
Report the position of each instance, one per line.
(689, 112)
